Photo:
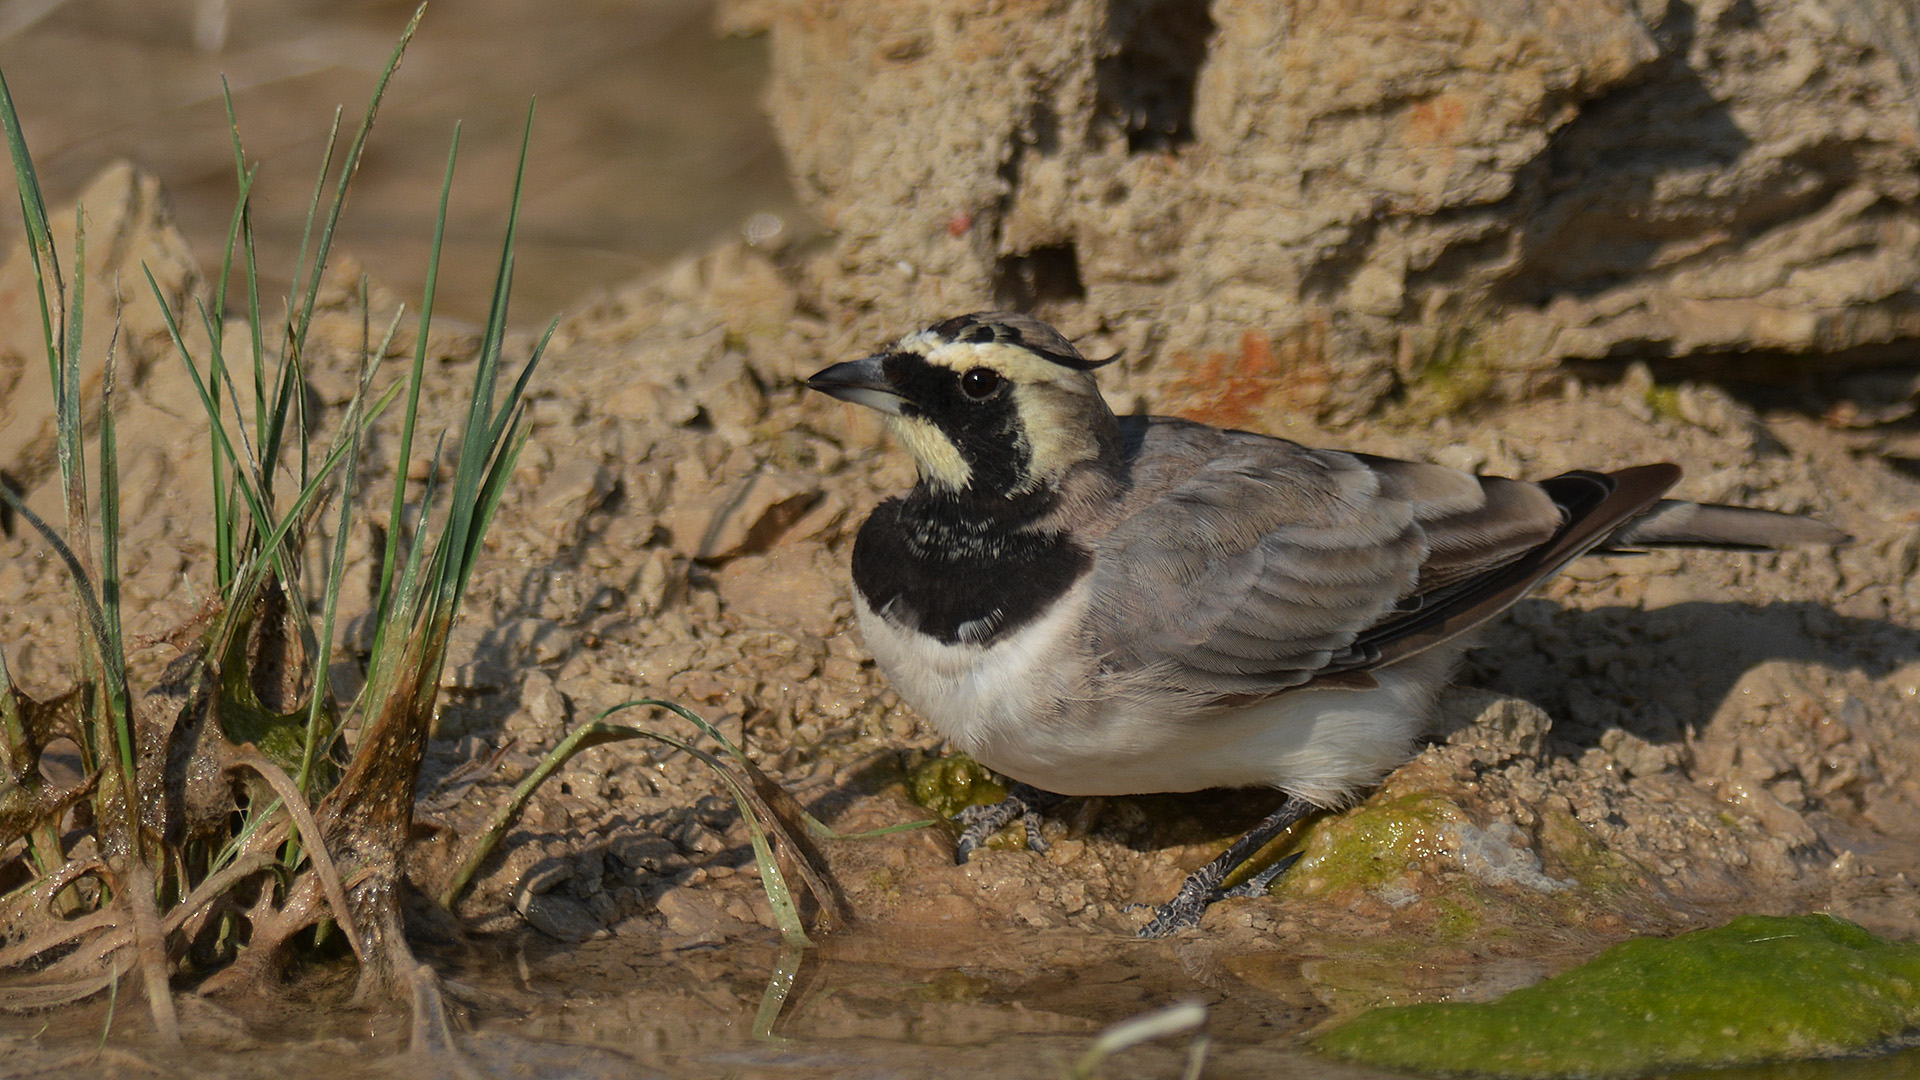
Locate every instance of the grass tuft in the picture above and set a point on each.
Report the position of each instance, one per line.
(228, 812)
(238, 811)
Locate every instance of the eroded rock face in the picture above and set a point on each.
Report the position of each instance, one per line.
(129, 234)
(1325, 199)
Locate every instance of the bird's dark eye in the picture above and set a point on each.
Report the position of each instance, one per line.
(980, 383)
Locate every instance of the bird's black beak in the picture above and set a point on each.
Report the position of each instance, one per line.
(863, 382)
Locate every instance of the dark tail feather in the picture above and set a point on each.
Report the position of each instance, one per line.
(1673, 523)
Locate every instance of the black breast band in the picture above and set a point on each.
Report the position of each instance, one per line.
(934, 565)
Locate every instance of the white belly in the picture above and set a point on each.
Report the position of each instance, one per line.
(1029, 705)
(994, 702)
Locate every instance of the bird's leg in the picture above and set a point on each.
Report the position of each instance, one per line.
(1258, 884)
(1023, 801)
(1202, 887)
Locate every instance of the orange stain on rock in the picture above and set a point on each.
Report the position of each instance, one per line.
(1435, 121)
(1236, 389)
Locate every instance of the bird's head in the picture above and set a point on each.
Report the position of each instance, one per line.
(990, 404)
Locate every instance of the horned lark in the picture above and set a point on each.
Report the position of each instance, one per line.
(1102, 605)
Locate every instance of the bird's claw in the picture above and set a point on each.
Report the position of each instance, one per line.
(1184, 910)
(981, 822)
(1204, 885)
(1199, 892)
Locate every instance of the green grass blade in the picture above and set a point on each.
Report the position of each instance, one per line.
(287, 381)
(36, 207)
(519, 389)
(68, 423)
(70, 438)
(486, 502)
(227, 525)
(216, 371)
(256, 327)
(244, 179)
(313, 215)
(698, 721)
(110, 500)
(33, 212)
(350, 433)
(330, 594)
(779, 806)
(404, 460)
(475, 449)
(293, 340)
(76, 312)
(773, 999)
(345, 446)
(273, 532)
(261, 519)
(223, 538)
(489, 443)
(243, 222)
(597, 733)
(219, 375)
(349, 166)
(403, 612)
(272, 546)
(113, 643)
(90, 611)
(820, 830)
(813, 824)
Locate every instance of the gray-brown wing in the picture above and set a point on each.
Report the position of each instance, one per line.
(1596, 508)
(1247, 565)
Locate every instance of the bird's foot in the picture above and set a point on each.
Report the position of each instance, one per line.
(1202, 887)
(1199, 892)
(1258, 884)
(1023, 801)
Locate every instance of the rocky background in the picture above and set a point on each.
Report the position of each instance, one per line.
(1513, 237)
(1329, 201)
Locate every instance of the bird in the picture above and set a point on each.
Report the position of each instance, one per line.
(1092, 604)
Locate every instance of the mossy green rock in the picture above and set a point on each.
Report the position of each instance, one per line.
(948, 785)
(1757, 989)
(1371, 845)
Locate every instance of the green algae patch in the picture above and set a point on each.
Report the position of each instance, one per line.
(948, 785)
(1373, 845)
(1453, 373)
(1602, 873)
(1758, 989)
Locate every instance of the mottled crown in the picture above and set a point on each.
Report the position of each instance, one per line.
(1012, 328)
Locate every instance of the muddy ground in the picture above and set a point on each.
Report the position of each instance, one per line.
(1651, 744)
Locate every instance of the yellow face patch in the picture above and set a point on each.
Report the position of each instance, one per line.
(938, 460)
(1055, 406)
(1054, 423)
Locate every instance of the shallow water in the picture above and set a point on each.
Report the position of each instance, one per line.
(648, 141)
(862, 1004)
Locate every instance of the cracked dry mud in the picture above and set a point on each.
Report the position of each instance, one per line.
(1651, 744)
